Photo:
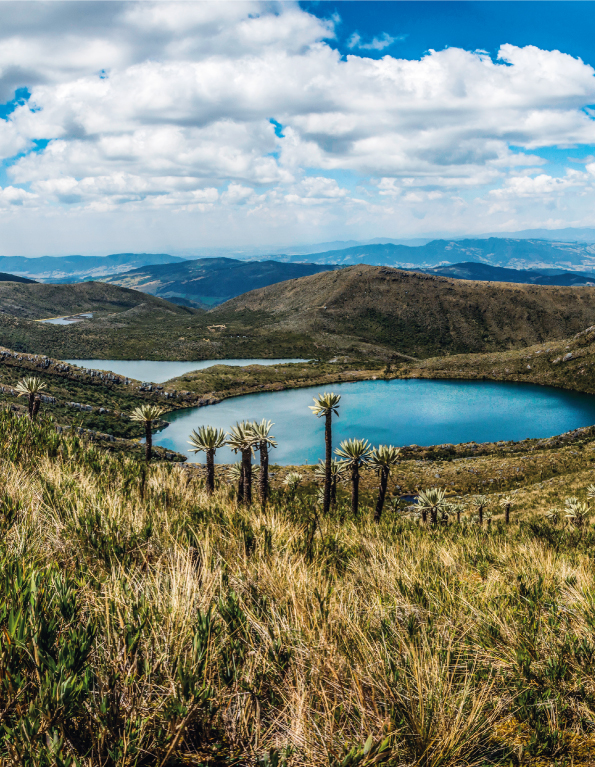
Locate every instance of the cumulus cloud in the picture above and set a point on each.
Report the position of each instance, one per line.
(539, 186)
(376, 44)
(168, 106)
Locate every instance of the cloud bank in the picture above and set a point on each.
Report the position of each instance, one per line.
(172, 122)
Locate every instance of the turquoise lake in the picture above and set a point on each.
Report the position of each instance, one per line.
(392, 412)
(159, 372)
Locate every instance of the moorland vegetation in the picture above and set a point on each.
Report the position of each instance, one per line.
(148, 618)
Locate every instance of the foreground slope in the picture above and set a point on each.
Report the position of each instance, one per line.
(419, 314)
(141, 617)
(211, 281)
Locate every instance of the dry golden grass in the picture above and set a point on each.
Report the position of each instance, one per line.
(223, 635)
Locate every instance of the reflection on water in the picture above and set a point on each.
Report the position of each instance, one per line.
(392, 412)
(158, 372)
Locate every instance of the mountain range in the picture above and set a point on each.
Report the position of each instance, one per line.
(250, 252)
(485, 273)
(570, 249)
(210, 281)
(75, 268)
(505, 252)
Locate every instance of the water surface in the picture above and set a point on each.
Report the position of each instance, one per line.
(160, 371)
(392, 412)
(68, 320)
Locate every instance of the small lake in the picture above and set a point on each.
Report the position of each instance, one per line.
(159, 371)
(69, 320)
(391, 412)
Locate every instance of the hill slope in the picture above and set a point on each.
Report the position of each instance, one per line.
(517, 253)
(4, 277)
(211, 281)
(418, 314)
(33, 300)
(54, 268)
(568, 363)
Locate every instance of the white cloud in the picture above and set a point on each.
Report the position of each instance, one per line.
(236, 194)
(167, 106)
(11, 196)
(320, 186)
(376, 44)
(539, 186)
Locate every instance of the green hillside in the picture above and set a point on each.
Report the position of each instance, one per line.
(364, 312)
(568, 363)
(417, 314)
(5, 277)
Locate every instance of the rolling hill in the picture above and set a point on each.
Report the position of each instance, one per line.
(211, 281)
(416, 314)
(361, 311)
(36, 301)
(56, 268)
(506, 252)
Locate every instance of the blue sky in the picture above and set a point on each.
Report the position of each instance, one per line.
(418, 26)
(187, 125)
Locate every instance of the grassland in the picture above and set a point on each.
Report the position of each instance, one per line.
(144, 623)
(151, 333)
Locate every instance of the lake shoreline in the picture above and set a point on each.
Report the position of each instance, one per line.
(422, 416)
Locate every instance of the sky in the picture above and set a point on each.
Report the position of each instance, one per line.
(178, 126)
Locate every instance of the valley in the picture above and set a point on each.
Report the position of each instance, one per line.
(354, 324)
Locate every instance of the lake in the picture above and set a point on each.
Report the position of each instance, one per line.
(159, 371)
(68, 320)
(391, 412)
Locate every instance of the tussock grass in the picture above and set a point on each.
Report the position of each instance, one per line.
(142, 622)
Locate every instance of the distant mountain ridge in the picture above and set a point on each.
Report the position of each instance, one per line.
(211, 281)
(56, 268)
(259, 253)
(510, 253)
(484, 273)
